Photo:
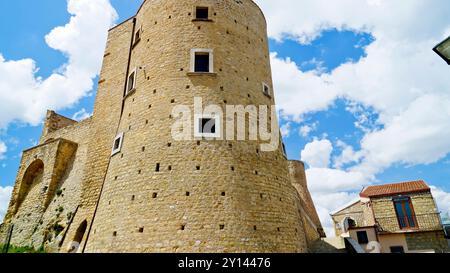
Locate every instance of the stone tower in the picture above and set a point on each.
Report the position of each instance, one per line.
(120, 182)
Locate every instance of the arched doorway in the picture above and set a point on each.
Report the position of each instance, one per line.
(348, 223)
(30, 181)
(78, 238)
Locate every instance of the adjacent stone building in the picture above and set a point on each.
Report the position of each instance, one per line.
(394, 218)
(119, 182)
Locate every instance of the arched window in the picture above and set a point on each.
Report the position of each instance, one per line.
(348, 223)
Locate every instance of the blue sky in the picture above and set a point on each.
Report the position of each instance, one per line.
(335, 54)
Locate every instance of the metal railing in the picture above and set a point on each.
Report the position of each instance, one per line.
(409, 223)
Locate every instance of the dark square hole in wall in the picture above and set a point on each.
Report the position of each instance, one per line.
(207, 126)
(169, 144)
(363, 239)
(397, 249)
(143, 149)
(188, 193)
(232, 168)
(279, 229)
(197, 168)
(154, 195)
(169, 168)
(141, 230)
(202, 13)
(254, 228)
(222, 227)
(115, 233)
(117, 143)
(158, 167)
(202, 62)
(223, 193)
(182, 227)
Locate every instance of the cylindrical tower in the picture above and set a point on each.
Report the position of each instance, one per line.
(162, 195)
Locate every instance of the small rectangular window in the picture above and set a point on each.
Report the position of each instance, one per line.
(131, 85)
(266, 90)
(397, 249)
(202, 13)
(363, 239)
(207, 126)
(117, 145)
(202, 61)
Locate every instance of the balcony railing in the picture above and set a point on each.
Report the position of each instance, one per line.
(409, 223)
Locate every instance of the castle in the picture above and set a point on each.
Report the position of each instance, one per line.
(119, 182)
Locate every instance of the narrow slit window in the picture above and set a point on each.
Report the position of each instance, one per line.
(266, 90)
(117, 145)
(202, 13)
(131, 85)
(137, 37)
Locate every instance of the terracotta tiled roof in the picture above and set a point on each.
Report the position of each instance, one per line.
(395, 189)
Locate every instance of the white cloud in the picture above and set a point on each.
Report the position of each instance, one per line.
(81, 115)
(26, 98)
(286, 129)
(442, 199)
(401, 79)
(347, 156)
(317, 154)
(305, 130)
(3, 150)
(321, 178)
(300, 92)
(5, 195)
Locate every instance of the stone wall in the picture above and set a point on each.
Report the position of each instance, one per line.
(54, 122)
(427, 241)
(108, 110)
(312, 225)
